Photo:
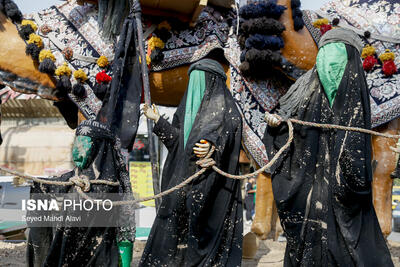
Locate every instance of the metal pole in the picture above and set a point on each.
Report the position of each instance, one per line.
(147, 99)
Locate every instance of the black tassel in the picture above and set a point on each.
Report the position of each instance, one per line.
(243, 56)
(11, 10)
(245, 68)
(47, 66)
(63, 86)
(79, 90)
(156, 56)
(100, 90)
(163, 34)
(25, 31)
(298, 23)
(33, 51)
(367, 34)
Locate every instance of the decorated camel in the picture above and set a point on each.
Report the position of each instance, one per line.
(71, 32)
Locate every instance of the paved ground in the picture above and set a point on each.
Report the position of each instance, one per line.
(269, 254)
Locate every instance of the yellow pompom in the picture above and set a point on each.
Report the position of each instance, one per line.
(35, 39)
(46, 54)
(368, 50)
(29, 22)
(164, 25)
(63, 70)
(319, 22)
(387, 56)
(102, 62)
(148, 60)
(155, 42)
(80, 75)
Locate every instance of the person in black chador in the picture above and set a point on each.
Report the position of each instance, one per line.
(201, 224)
(249, 199)
(322, 185)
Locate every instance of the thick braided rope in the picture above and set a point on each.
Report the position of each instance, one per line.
(344, 128)
(205, 163)
(59, 183)
(207, 160)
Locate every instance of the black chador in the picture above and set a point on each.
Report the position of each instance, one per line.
(201, 224)
(322, 185)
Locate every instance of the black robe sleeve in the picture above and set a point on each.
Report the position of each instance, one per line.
(168, 134)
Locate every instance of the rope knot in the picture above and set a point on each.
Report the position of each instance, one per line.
(83, 183)
(272, 120)
(206, 163)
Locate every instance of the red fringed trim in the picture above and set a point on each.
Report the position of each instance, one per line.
(324, 28)
(102, 77)
(369, 63)
(389, 68)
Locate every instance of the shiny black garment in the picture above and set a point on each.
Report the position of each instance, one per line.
(86, 246)
(116, 128)
(121, 107)
(322, 185)
(200, 225)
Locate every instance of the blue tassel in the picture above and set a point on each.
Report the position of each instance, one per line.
(268, 9)
(261, 42)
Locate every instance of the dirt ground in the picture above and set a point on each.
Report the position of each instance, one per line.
(269, 254)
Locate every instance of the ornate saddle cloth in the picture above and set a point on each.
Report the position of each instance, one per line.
(76, 27)
(377, 17)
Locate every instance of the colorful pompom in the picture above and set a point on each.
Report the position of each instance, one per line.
(389, 68)
(367, 51)
(148, 60)
(319, 22)
(325, 28)
(46, 54)
(388, 55)
(80, 75)
(35, 39)
(155, 42)
(26, 22)
(102, 77)
(63, 70)
(102, 62)
(369, 63)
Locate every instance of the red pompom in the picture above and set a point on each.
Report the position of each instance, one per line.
(324, 28)
(369, 63)
(389, 68)
(102, 77)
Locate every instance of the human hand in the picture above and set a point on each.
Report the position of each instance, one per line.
(151, 113)
(201, 149)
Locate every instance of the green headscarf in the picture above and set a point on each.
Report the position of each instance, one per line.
(331, 64)
(195, 93)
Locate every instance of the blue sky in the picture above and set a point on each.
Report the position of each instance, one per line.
(28, 6)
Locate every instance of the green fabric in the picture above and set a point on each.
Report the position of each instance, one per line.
(195, 93)
(81, 151)
(331, 64)
(125, 253)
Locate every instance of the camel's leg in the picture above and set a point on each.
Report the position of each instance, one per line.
(382, 183)
(264, 206)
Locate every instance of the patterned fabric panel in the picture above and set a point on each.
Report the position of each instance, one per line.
(378, 17)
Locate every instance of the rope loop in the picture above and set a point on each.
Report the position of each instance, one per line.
(206, 163)
(272, 120)
(82, 183)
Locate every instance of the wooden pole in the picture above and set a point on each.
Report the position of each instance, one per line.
(147, 99)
